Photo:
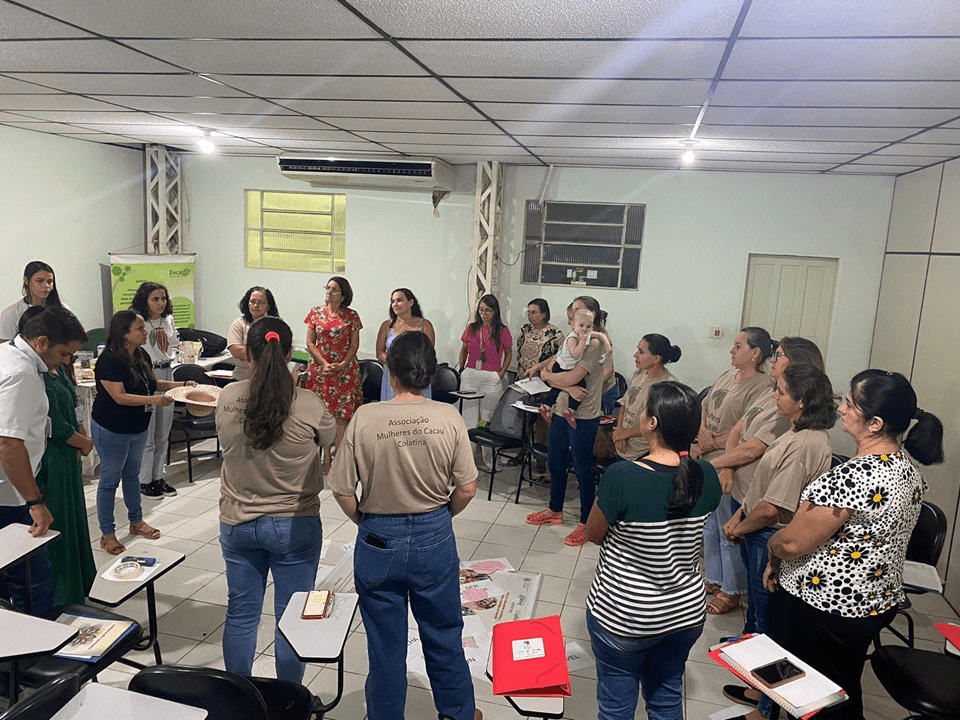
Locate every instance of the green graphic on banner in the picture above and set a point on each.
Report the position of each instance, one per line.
(176, 272)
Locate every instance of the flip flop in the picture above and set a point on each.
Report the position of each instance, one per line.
(722, 603)
(144, 530)
(110, 544)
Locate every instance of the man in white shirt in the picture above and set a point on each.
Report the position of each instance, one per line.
(48, 340)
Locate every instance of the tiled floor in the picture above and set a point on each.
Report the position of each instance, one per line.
(192, 597)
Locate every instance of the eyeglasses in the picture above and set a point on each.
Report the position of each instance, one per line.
(779, 354)
(257, 302)
(334, 291)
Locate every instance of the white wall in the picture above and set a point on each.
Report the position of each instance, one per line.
(700, 228)
(69, 203)
(393, 240)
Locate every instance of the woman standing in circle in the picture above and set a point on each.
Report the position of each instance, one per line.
(653, 352)
(121, 415)
(405, 454)
(566, 441)
(152, 303)
(271, 433)
(837, 590)
(747, 441)
(256, 303)
(804, 396)
(730, 396)
(645, 609)
(484, 358)
(405, 316)
(538, 341)
(333, 338)
(39, 288)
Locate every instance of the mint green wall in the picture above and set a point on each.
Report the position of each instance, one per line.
(69, 203)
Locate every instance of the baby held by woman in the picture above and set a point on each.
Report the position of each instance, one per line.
(579, 339)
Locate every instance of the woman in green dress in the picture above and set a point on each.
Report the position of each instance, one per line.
(62, 487)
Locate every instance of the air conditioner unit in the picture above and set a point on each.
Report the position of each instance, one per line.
(396, 174)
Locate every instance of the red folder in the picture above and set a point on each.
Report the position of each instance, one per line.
(530, 658)
(950, 631)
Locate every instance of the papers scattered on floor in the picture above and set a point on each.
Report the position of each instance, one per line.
(577, 657)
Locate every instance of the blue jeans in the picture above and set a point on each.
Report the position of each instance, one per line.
(41, 574)
(417, 562)
(721, 558)
(579, 442)
(289, 547)
(753, 549)
(120, 457)
(654, 663)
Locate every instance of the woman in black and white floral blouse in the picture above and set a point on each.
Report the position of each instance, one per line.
(839, 563)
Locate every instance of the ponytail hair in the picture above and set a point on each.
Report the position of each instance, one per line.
(676, 408)
(890, 397)
(760, 339)
(269, 342)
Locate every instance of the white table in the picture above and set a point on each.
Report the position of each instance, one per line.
(103, 702)
(23, 636)
(18, 545)
(320, 640)
(113, 592)
(530, 706)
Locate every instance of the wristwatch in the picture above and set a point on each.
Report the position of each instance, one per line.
(38, 500)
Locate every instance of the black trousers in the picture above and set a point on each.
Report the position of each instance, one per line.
(836, 646)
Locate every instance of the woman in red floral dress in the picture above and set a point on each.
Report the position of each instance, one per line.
(333, 338)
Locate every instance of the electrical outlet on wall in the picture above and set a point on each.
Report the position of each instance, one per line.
(715, 333)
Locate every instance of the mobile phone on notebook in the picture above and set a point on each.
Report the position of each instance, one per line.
(777, 673)
(317, 605)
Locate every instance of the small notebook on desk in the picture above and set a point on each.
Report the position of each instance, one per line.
(95, 637)
(802, 697)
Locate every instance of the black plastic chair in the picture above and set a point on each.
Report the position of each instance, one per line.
(224, 695)
(371, 377)
(445, 382)
(38, 672)
(191, 427)
(925, 683)
(505, 431)
(212, 343)
(46, 701)
(926, 544)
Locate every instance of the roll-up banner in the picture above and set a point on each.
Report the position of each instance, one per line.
(176, 272)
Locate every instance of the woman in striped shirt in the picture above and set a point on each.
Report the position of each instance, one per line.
(646, 607)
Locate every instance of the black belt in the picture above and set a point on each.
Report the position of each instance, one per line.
(161, 365)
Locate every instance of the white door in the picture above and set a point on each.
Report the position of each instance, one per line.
(791, 295)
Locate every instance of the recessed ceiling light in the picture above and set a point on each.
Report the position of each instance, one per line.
(205, 145)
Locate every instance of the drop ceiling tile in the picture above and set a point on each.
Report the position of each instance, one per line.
(116, 117)
(278, 57)
(51, 101)
(920, 150)
(318, 87)
(861, 117)
(612, 161)
(549, 19)
(868, 93)
(871, 170)
(240, 121)
(830, 159)
(844, 18)
(448, 139)
(111, 83)
(21, 24)
(597, 129)
(13, 86)
(319, 134)
(48, 127)
(845, 59)
(307, 145)
(378, 109)
(878, 159)
(946, 136)
(751, 166)
(781, 146)
(614, 92)
(365, 125)
(103, 138)
(172, 129)
(568, 112)
(786, 132)
(439, 150)
(570, 58)
(68, 55)
(210, 18)
(168, 104)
